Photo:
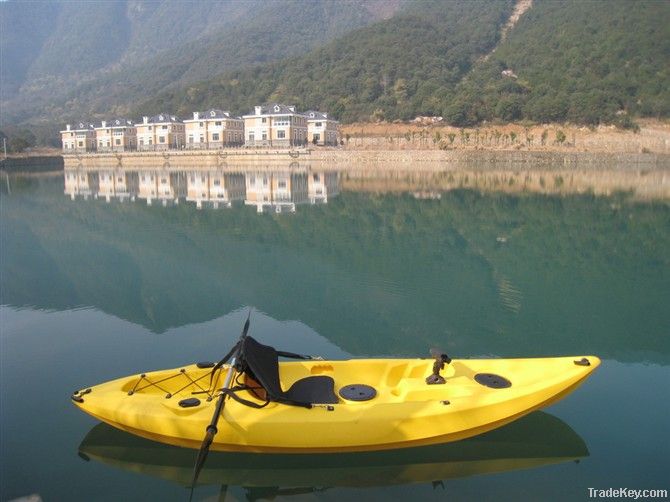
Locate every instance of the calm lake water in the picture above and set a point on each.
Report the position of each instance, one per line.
(92, 290)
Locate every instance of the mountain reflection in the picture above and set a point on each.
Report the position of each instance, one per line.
(270, 191)
(377, 274)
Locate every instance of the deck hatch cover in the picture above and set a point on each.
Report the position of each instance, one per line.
(358, 392)
(492, 380)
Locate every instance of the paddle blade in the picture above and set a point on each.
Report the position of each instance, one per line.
(202, 455)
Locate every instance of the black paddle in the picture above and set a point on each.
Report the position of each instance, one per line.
(211, 429)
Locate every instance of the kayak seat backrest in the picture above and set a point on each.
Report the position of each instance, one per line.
(262, 363)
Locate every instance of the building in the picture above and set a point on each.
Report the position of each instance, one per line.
(118, 135)
(213, 129)
(160, 132)
(321, 129)
(78, 138)
(275, 125)
(215, 188)
(276, 192)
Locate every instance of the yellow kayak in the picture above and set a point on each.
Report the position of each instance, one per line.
(309, 405)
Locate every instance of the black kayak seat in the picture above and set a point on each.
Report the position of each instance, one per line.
(262, 362)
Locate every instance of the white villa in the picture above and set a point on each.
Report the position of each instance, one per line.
(79, 137)
(321, 129)
(213, 129)
(160, 132)
(275, 125)
(117, 135)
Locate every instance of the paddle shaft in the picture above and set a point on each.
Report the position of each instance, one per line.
(222, 398)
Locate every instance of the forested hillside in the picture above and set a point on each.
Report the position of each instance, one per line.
(52, 40)
(583, 61)
(574, 60)
(398, 68)
(92, 58)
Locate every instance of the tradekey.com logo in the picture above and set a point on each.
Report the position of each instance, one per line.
(629, 493)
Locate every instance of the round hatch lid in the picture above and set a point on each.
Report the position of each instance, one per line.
(357, 392)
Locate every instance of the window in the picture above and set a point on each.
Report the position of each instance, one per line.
(265, 136)
(150, 141)
(265, 181)
(281, 184)
(120, 180)
(190, 138)
(201, 124)
(264, 120)
(215, 136)
(218, 123)
(251, 136)
(81, 143)
(217, 182)
(161, 139)
(150, 127)
(318, 124)
(164, 127)
(163, 181)
(316, 178)
(117, 141)
(283, 120)
(281, 134)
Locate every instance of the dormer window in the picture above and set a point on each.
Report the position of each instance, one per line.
(212, 113)
(276, 108)
(311, 115)
(160, 117)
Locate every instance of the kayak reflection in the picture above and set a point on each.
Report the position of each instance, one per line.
(535, 440)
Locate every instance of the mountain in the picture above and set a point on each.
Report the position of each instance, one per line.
(573, 60)
(397, 68)
(94, 58)
(75, 38)
(564, 60)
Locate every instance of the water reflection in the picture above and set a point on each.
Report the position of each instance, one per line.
(535, 440)
(269, 190)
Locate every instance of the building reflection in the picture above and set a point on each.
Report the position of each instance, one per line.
(269, 191)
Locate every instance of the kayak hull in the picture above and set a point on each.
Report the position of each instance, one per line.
(405, 412)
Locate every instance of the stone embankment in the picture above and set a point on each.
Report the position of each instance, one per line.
(644, 175)
(34, 164)
(342, 159)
